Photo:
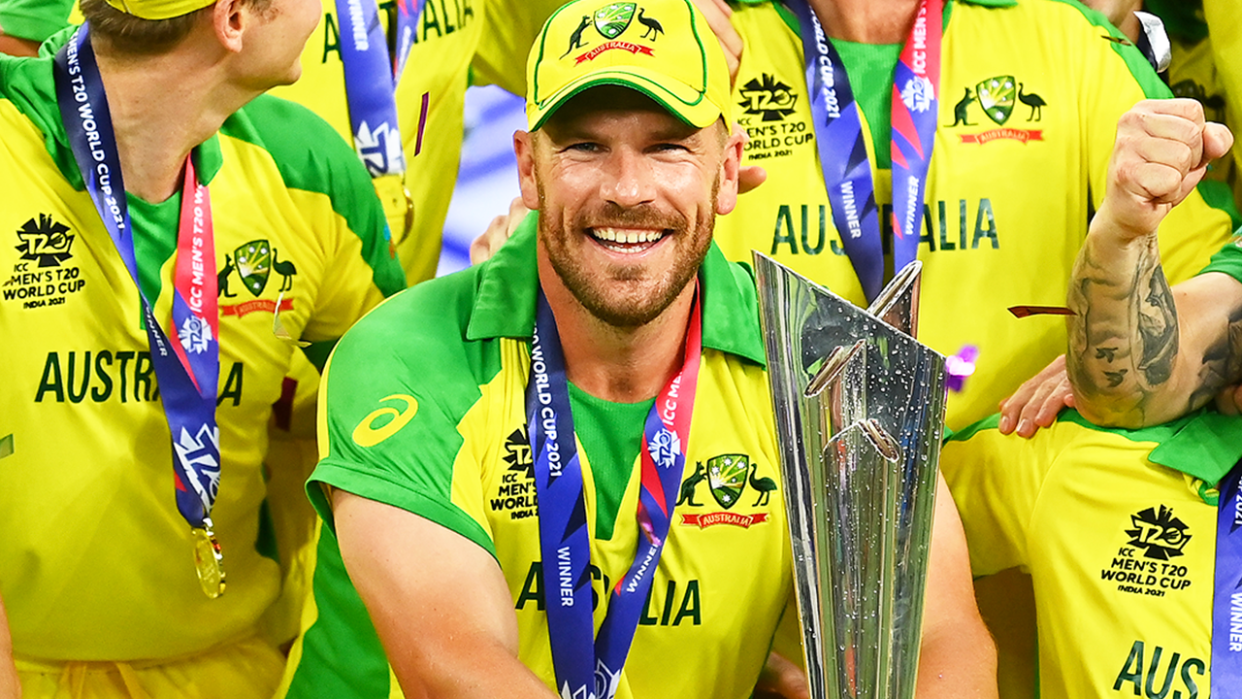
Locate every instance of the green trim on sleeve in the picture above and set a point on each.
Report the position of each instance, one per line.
(34, 20)
(991, 422)
(311, 156)
(375, 486)
(1227, 260)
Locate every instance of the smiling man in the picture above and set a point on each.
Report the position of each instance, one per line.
(557, 471)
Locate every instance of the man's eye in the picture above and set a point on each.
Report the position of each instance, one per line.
(584, 147)
(669, 148)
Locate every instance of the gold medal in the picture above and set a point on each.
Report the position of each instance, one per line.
(398, 205)
(208, 561)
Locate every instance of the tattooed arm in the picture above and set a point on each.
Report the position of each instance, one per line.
(1141, 353)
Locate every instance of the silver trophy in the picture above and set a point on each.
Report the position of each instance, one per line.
(860, 415)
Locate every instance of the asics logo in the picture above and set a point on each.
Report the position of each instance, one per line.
(367, 434)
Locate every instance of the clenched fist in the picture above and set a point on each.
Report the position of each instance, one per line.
(1162, 150)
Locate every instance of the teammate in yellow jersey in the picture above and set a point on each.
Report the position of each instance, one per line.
(1118, 529)
(628, 162)
(181, 216)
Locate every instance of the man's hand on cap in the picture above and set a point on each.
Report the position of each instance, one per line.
(1162, 150)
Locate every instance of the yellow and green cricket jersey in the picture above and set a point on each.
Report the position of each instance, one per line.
(1118, 531)
(447, 362)
(96, 563)
(1030, 95)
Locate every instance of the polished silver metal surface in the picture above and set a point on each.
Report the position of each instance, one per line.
(860, 415)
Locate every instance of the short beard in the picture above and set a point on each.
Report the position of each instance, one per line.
(627, 311)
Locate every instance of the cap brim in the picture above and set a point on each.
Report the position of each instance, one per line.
(682, 101)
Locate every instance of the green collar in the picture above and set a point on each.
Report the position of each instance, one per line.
(30, 85)
(1203, 445)
(504, 303)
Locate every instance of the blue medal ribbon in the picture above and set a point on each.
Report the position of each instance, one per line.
(371, 75)
(842, 147)
(1227, 590)
(586, 667)
(187, 372)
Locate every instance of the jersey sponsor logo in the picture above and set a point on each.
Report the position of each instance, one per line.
(766, 102)
(45, 241)
(515, 493)
(676, 603)
(122, 376)
(42, 280)
(807, 229)
(1162, 535)
(768, 98)
(1141, 567)
(997, 97)
(727, 476)
(1156, 673)
(384, 422)
(439, 18)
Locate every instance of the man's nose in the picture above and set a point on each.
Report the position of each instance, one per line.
(630, 180)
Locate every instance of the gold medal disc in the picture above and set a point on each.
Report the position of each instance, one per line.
(398, 205)
(209, 562)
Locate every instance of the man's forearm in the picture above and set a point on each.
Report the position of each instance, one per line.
(1123, 338)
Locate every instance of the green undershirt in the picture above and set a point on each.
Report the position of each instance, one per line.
(870, 68)
(611, 435)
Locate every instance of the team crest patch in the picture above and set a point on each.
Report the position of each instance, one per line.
(612, 20)
(253, 262)
(1155, 536)
(726, 475)
(997, 97)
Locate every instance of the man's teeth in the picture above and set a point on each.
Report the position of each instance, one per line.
(627, 235)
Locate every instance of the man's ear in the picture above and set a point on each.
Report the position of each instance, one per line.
(726, 196)
(524, 144)
(230, 20)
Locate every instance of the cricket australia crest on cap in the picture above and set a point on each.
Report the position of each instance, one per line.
(662, 48)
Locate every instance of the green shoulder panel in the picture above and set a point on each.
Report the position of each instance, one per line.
(28, 84)
(34, 20)
(395, 391)
(311, 156)
(1142, 71)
